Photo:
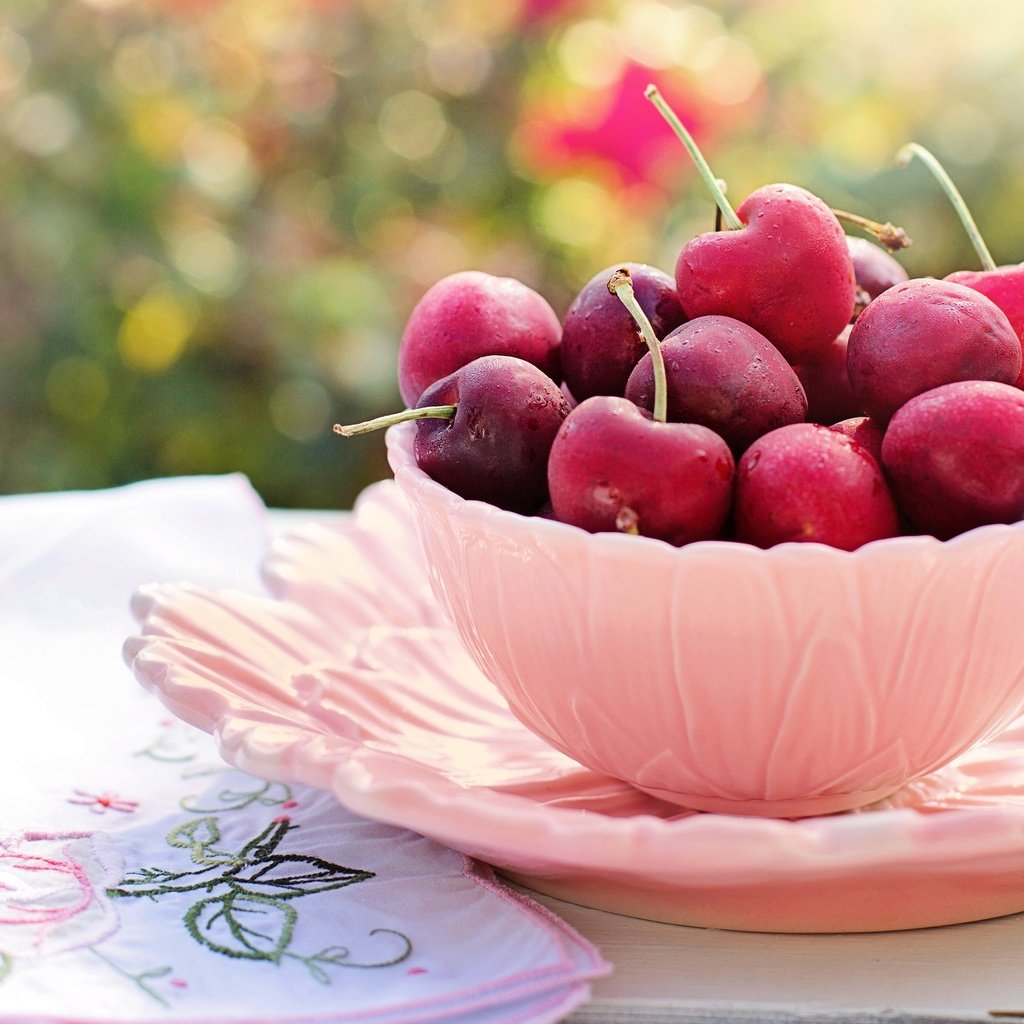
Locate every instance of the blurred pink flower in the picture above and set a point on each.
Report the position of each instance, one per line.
(619, 128)
(53, 893)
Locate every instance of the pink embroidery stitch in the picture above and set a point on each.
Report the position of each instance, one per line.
(100, 803)
(49, 901)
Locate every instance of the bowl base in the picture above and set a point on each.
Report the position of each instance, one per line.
(803, 807)
(886, 901)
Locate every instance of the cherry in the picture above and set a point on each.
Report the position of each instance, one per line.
(1003, 285)
(874, 270)
(806, 483)
(924, 333)
(472, 314)
(782, 267)
(485, 431)
(600, 343)
(723, 374)
(955, 456)
(865, 431)
(826, 382)
(614, 467)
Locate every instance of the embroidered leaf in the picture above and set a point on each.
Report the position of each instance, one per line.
(260, 848)
(6, 963)
(199, 837)
(269, 794)
(242, 925)
(286, 876)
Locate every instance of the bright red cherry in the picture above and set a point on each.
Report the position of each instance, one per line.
(782, 266)
(472, 314)
(925, 333)
(1003, 285)
(810, 483)
(955, 456)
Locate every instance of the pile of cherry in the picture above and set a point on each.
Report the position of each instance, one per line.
(789, 384)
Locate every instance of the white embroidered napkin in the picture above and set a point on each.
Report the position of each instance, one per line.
(143, 879)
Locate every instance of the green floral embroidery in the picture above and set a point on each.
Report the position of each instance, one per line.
(141, 979)
(6, 963)
(263, 794)
(247, 912)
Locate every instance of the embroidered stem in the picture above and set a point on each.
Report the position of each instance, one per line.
(140, 979)
(338, 956)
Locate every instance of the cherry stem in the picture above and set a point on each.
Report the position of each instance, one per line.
(892, 237)
(718, 210)
(620, 284)
(652, 93)
(903, 158)
(433, 412)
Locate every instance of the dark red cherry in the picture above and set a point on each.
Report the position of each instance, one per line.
(485, 431)
(600, 342)
(723, 374)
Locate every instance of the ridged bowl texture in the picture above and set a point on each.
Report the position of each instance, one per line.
(794, 681)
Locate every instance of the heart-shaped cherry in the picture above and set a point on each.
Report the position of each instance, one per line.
(472, 314)
(485, 431)
(782, 267)
(1003, 285)
(615, 468)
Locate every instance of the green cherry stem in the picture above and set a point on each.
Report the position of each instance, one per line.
(903, 158)
(728, 213)
(435, 412)
(620, 284)
(888, 234)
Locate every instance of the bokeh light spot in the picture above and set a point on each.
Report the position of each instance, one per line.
(43, 124)
(574, 211)
(155, 330)
(15, 57)
(589, 53)
(300, 409)
(208, 258)
(145, 64)
(459, 65)
(218, 159)
(412, 124)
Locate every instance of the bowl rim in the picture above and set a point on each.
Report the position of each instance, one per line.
(399, 441)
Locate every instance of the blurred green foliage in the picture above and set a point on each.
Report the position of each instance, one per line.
(215, 215)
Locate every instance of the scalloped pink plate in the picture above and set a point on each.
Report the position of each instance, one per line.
(349, 678)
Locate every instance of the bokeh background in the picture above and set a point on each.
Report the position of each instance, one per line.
(215, 215)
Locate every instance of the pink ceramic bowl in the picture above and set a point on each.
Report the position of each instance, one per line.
(795, 681)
